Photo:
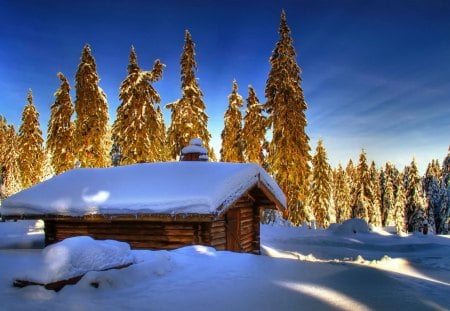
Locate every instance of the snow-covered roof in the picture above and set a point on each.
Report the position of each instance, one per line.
(151, 188)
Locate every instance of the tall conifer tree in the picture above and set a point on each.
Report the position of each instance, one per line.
(387, 197)
(400, 205)
(320, 194)
(289, 149)
(415, 202)
(361, 204)
(189, 119)
(254, 130)
(342, 194)
(10, 170)
(232, 146)
(137, 130)
(374, 195)
(91, 139)
(30, 143)
(60, 129)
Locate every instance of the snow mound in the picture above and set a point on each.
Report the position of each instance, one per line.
(148, 265)
(351, 226)
(76, 256)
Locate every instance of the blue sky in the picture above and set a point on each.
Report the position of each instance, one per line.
(375, 73)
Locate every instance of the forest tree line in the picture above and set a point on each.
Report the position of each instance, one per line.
(79, 135)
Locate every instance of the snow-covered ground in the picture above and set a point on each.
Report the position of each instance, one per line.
(347, 267)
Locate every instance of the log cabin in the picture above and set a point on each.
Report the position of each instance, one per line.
(154, 205)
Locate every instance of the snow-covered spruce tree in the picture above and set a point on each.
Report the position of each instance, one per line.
(254, 130)
(320, 193)
(189, 119)
(352, 177)
(91, 140)
(341, 194)
(435, 196)
(387, 197)
(288, 152)
(399, 213)
(362, 202)
(11, 182)
(137, 128)
(3, 150)
(415, 203)
(374, 196)
(165, 150)
(232, 148)
(445, 184)
(60, 129)
(30, 145)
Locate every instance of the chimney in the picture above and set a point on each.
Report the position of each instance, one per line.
(195, 151)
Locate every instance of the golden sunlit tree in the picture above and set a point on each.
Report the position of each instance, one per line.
(416, 211)
(399, 213)
(10, 171)
(342, 194)
(254, 130)
(189, 119)
(137, 130)
(60, 129)
(91, 140)
(374, 210)
(320, 194)
(30, 146)
(232, 148)
(289, 158)
(361, 204)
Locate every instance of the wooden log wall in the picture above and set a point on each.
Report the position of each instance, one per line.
(139, 234)
(218, 234)
(248, 235)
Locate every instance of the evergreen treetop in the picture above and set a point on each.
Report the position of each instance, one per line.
(254, 130)
(137, 130)
(91, 140)
(289, 157)
(60, 129)
(232, 146)
(30, 145)
(189, 119)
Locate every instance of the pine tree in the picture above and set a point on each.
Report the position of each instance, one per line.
(400, 206)
(362, 202)
(374, 196)
(415, 205)
(31, 150)
(10, 170)
(164, 150)
(342, 194)
(189, 119)
(444, 211)
(3, 149)
(232, 148)
(320, 194)
(254, 130)
(60, 130)
(91, 140)
(289, 149)
(137, 129)
(387, 197)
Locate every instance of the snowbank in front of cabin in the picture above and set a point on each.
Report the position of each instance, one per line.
(74, 257)
(169, 187)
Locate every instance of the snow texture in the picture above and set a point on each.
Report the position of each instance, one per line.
(175, 188)
(302, 269)
(76, 256)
